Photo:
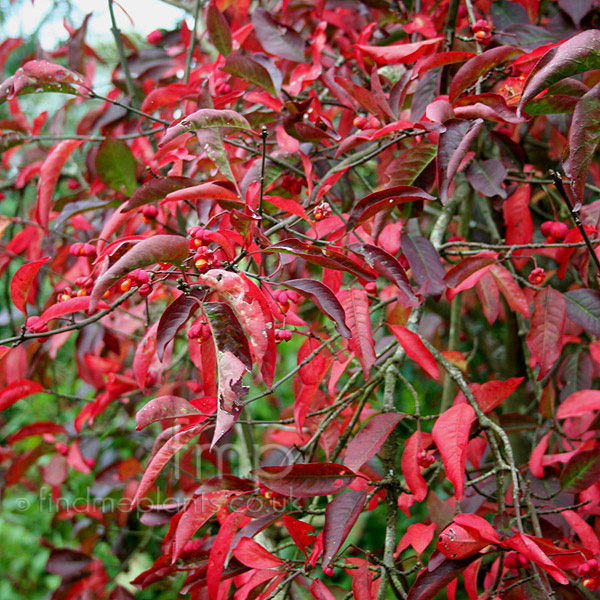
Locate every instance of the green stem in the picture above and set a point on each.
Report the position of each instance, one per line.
(121, 50)
(190, 54)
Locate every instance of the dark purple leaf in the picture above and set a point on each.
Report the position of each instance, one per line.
(453, 146)
(164, 407)
(576, 9)
(249, 70)
(425, 263)
(377, 201)
(156, 190)
(583, 307)
(487, 177)
(340, 516)
(582, 470)
(306, 480)
(66, 562)
(319, 256)
(429, 583)
(158, 248)
(233, 361)
(389, 267)
(276, 38)
(552, 105)
(369, 439)
(584, 137)
(175, 315)
(480, 65)
(525, 36)
(323, 298)
(576, 55)
(218, 30)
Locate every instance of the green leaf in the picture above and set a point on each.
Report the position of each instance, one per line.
(116, 166)
(582, 470)
(249, 70)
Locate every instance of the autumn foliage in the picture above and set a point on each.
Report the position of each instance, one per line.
(306, 305)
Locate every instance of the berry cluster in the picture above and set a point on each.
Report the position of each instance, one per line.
(537, 276)
(482, 31)
(277, 501)
(199, 331)
(199, 235)
(554, 231)
(514, 560)
(205, 259)
(85, 285)
(69, 293)
(222, 88)
(322, 211)
(364, 123)
(589, 572)
(36, 325)
(139, 278)
(425, 458)
(283, 335)
(284, 297)
(81, 249)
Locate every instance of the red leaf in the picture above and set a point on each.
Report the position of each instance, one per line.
(536, 465)
(468, 272)
(519, 225)
(319, 591)
(479, 65)
(410, 466)
(68, 307)
(276, 38)
(547, 328)
(369, 439)
(418, 535)
(579, 403)
(510, 290)
(425, 263)
(361, 583)
(527, 547)
(218, 30)
(38, 428)
(584, 531)
(358, 318)
(340, 516)
(49, 174)
(255, 556)
(196, 515)
(18, 389)
(165, 407)
(451, 436)
(491, 394)
(22, 281)
(479, 526)
(219, 551)
(416, 350)
(143, 357)
(158, 248)
(161, 458)
(306, 480)
(204, 191)
(400, 53)
(290, 206)
(302, 533)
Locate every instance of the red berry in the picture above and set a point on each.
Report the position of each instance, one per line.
(361, 122)
(81, 293)
(481, 25)
(374, 123)
(328, 571)
(283, 335)
(154, 37)
(322, 211)
(88, 250)
(202, 265)
(73, 184)
(588, 583)
(371, 287)
(553, 230)
(76, 249)
(145, 290)
(150, 212)
(537, 276)
(583, 570)
(36, 325)
(139, 276)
